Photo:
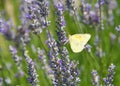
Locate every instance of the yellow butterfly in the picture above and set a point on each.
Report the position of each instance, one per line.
(78, 41)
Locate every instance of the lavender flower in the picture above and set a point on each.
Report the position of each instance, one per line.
(97, 40)
(8, 65)
(89, 16)
(117, 28)
(13, 50)
(7, 80)
(45, 65)
(108, 81)
(65, 54)
(33, 77)
(88, 47)
(52, 44)
(34, 14)
(19, 74)
(16, 58)
(25, 38)
(95, 78)
(41, 55)
(71, 6)
(1, 81)
(112, 37)
(65, 71)
(32, 73)
(62, 36)
(111, 6)
(6, 29)
(69, 71)
(99, 52)
(88, 7)
(92, 16)
(102, 2)
(61, 24)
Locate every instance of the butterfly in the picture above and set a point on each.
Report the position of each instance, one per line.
(78, 41)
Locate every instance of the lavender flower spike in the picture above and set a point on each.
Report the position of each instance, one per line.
(32, 73)
(95, 78)
(33, 77)
(61, 24)
(1, 81)
(52, 44)
(13, 50)
(15, 57)
(71, 6)
(45, 65)
(6, 29)
(108, 81)
(34, 14)
(65, 72)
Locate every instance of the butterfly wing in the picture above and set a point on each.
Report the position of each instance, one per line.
(78, 41)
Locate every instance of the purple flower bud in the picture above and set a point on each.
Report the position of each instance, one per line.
(88, 7)
(63, 23)
(117, 28)
(94, 17)
(95, 78)
(59, 6)
(110, 77)
(112, 37)
(59, 62)
(88, 47)
(96, 6)
(29, 16)
(1, 81)
(19, 74)
(13, 50)
(102, 2)
(64, 69)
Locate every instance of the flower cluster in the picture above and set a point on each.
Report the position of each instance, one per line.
(16, 58)
(44, 61)
(110, 77)
(112, 4)
(34, 15)
(61, 24)
(52, 44)
(108, 81)
(1, 81)
(65, 72)
(89, 15)
(95, 78)
(5, 29)
(117, 28)
(71, 6)
(33, 77)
